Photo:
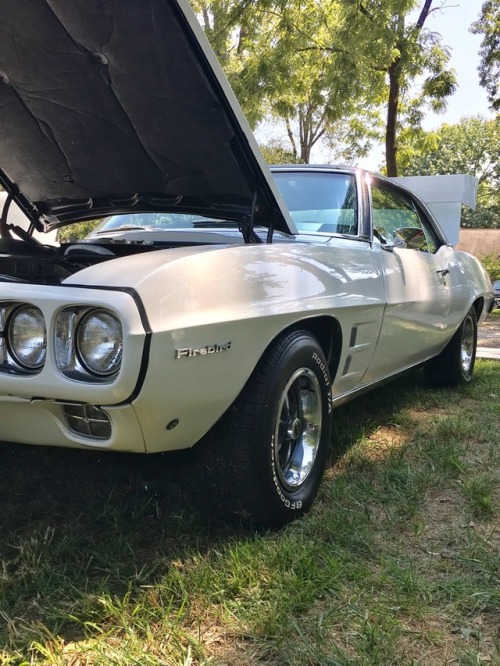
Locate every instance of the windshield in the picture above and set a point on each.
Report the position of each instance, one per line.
(165, 221)
(323, 202)
(320, 201)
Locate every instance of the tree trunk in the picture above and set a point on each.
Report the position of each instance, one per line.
(394, 72)
(392, 118)
(291, 137)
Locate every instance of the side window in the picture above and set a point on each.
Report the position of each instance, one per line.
(320, 201)
(397, 221)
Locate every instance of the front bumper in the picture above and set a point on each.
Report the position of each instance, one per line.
(45, 422)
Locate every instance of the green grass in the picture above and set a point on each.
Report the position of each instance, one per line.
(495, 315)
(108, 559)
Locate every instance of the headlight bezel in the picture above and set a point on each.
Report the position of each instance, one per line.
(69, 358)
(13, 338)
(105, 315)
(11, 362)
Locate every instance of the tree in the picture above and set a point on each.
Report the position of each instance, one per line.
(284, 65)
(491, 264)
(472, 147)
(275, 153)
(403, 50)
(488, 25)
(323, 67)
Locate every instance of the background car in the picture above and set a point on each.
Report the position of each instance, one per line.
(496, 292)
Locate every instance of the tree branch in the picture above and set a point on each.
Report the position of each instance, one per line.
(290, 136)
(423, 14)
(364, 11)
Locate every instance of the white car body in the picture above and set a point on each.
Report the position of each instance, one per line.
(197, 319)
(198, 308)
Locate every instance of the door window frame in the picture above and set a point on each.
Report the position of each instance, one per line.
(428, 224)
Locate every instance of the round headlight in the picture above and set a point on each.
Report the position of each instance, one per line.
(100, 342)
(27, 337)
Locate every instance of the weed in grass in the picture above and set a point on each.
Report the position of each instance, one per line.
(410, 586)
(476, 657)
(378, 634)
(12, 659)
(444, 457)
(479, 493)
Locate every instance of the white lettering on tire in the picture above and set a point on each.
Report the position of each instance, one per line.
(294, 506)
(324, 372)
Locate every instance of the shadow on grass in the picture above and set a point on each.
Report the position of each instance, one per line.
(79, 525)
(369, 412)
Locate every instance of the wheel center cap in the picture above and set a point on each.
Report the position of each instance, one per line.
(294, 428)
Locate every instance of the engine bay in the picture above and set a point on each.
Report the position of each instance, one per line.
(34, 263)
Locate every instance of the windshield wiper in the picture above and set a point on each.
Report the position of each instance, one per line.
(207, 224)
(126, 227)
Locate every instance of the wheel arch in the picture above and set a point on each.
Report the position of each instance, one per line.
(328, 333)
(478, 306)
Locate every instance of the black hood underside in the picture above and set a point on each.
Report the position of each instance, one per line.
(113, 105)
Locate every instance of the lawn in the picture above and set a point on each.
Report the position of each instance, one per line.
(111, 559)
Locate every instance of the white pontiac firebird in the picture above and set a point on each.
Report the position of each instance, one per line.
(218, 303)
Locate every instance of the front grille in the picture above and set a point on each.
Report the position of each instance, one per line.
(87, 421)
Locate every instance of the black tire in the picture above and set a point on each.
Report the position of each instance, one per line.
(455, 364)
(264, 460)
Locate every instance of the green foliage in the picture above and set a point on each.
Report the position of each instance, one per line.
(291, 66)
(488, 25)
(491, 263)
(416, 53)
(275, 153)
(472, 147)
(321, 68)
(76, 231)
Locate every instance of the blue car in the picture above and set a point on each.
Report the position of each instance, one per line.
(496, 292)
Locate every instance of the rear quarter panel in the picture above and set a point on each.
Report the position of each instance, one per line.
(470, 282)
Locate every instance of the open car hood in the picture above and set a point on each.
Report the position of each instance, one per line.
(121, 105)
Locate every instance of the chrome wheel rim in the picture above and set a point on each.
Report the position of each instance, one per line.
(467, 345)
(297, 432)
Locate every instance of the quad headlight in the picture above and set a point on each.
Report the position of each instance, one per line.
(87, 341)
(99, 342)
(27, 337)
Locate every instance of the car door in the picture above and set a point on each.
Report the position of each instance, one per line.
(415, 264)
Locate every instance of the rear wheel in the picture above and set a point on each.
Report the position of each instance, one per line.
(455, 364)
(265, 458)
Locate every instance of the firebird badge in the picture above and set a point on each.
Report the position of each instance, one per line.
(189, 352)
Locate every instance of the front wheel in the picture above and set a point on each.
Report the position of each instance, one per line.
(455, 364)
(265, 458)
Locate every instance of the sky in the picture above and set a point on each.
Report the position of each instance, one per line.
(453, 23)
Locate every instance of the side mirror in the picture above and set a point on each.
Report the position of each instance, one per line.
(411, 238)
